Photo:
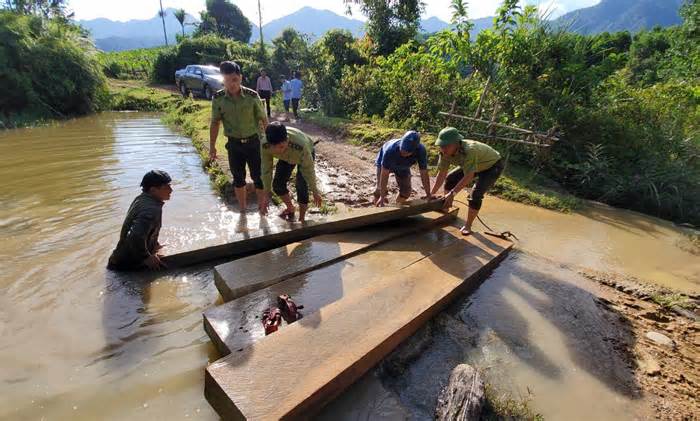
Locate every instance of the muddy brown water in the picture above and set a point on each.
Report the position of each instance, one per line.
(79, 342)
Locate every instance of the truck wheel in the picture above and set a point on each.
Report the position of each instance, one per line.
(183, 89)
(207, 92)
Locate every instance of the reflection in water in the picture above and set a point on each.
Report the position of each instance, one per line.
(78, 341)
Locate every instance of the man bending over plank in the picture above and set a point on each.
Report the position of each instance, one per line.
(474, 160)
(291, 147)
(397, 156)
(138, 246)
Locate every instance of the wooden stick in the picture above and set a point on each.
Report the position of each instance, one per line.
(507, 139)
(503, 126)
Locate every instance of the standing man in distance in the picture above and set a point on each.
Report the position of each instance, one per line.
(297, 86)
(397, 156)
(264, 88)
(286, 96)
(243, 116)
(138, 246)
(291, 147)
(473, 160)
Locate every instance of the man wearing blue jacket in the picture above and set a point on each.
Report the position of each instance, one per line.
(397, 156)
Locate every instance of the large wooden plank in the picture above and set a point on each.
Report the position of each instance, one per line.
(243, 276)
(294, 372)
(357, 218)
(237, 324)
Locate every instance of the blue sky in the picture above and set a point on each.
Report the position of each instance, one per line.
(273, 9)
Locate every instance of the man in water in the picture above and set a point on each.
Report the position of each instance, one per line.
(397, 156)
(241, 111)
(138, 246)
(291, 147)
(474, 160)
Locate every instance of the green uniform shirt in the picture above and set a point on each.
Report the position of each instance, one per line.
(241, 114)
(472, 156)
(299, 152)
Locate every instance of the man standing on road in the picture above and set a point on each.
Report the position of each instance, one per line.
(243, 116)
(264, 88)
(474, 160)
(138, 246)
(397, 156)
(291, 147)
(286, 96)
(297, 86)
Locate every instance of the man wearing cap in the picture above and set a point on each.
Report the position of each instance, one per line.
(474, 160)
(397, 156)
(138, 245)
(291, 147)
(243, 116)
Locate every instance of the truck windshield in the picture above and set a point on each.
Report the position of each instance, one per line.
(210, 71)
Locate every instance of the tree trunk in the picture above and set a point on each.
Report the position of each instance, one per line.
(162, 18)
(464, 396)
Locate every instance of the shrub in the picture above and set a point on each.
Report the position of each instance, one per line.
(205, 49)
(49, 69)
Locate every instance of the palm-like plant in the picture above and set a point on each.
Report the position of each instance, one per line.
(180, 16)
(161, 13)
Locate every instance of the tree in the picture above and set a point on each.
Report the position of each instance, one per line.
(390, 23)
(226, 20)
(180, 15)
(161, 13)
(44, 8)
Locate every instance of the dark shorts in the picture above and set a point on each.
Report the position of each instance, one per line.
(283, 172)
(286, 103)
(403, 180)
(242, 152)
(485, 180)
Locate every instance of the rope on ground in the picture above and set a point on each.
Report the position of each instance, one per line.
(506, 235)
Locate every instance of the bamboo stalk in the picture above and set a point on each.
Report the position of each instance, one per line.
(503, 126)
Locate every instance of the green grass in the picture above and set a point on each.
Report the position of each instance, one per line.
(136, 96)
(670, 300)
(518, 184)
(503, 406)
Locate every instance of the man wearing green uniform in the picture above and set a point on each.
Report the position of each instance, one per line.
(474, 160)
(243, 116)
(138, 246)
(291, 147)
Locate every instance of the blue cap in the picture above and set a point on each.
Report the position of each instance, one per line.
(410, 141)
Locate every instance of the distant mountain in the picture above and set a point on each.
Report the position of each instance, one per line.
(622, 15)
(310, 21)
(434, 24)
(112, 35)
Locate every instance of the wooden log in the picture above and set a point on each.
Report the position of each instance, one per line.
(244, 276)
(236, 324)
(464, 396)
(332, 224)
(292, 373)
